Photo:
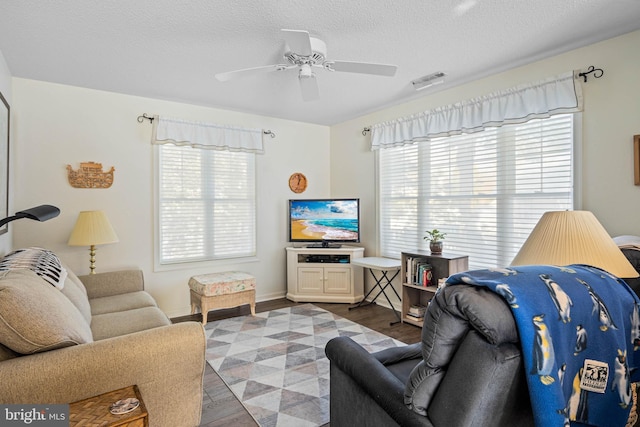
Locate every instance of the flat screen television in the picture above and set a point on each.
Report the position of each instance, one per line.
(324, 222)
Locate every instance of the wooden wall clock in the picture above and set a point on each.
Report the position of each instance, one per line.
(297, 182)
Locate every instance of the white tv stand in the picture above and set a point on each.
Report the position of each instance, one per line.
(324, 275)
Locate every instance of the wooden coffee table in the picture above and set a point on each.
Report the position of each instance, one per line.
(94, 411)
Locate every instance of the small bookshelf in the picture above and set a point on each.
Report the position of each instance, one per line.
(420, 272)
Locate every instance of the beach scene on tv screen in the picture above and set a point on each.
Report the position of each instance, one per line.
(324, 220)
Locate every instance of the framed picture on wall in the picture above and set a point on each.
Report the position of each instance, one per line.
(4, 161)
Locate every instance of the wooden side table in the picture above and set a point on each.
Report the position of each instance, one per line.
(94, 411)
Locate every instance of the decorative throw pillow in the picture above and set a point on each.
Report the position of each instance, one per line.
(36, 317)
(76, 292)
(41, 261)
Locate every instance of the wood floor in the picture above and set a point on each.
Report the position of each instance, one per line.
(221, 408)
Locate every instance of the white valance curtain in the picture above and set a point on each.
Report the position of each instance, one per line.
(555, 95)
(206, 135)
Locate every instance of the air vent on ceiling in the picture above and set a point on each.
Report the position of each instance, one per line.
(428, 80)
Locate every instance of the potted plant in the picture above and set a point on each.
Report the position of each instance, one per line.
(435, 238)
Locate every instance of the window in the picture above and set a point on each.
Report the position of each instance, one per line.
(206, 204)
(486, 190)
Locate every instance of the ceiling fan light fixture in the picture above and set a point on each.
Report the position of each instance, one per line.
(428, 80)
(305, 72)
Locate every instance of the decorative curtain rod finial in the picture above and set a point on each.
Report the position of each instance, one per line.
(270, 133)
(365, 131)
(597, 73)
(144, 117)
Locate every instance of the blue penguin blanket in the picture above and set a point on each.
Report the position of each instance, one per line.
(579, 328)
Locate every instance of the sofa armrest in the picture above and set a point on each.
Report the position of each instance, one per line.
(112, 283)
(372, 378)
(167, 364)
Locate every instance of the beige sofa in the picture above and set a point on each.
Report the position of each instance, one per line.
(97, 334)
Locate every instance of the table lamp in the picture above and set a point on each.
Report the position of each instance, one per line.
(92, 228)
(573, 237)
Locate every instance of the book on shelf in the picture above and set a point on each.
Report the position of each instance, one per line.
(418, 271)
(410, 270)
(425, 274)
(417, 310)
(411, 316)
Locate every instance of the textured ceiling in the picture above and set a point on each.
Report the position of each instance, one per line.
(170, 49)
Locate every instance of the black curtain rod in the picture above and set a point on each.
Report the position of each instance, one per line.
(597, 73)
(144, 117)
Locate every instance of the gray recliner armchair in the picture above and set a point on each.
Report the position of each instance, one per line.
(467, 371)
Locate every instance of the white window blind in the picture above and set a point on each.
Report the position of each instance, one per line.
(206, 204)
(486, 190)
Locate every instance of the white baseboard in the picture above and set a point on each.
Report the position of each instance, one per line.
(186, 311)
(381, 301)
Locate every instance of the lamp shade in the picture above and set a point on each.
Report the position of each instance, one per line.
(38, 213)
(92, 228)
(573, 237)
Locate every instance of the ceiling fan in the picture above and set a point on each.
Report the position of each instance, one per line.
(305, 53)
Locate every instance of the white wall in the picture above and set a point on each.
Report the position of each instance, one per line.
(611, 117)
(5, 89)
(56, 125)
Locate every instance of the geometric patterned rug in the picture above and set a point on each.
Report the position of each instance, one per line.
(274, 362)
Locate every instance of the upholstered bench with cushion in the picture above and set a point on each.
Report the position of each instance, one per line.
(71, 338)
(222, 290)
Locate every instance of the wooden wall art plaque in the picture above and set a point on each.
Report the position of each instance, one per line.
(90, 175)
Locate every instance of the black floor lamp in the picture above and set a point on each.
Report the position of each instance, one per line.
(38, 213)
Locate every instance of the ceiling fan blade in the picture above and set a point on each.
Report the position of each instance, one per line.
(309, 88)
(223, 77)
(298, 41)
(363, 68)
